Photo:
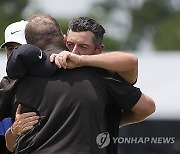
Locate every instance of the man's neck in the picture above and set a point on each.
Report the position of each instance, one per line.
(56, 48)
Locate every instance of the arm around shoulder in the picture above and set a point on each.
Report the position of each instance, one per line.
(10, 139)
(143, 108)
(125, 64)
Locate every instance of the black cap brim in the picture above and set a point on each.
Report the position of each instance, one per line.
(25, 60)
(45, 69)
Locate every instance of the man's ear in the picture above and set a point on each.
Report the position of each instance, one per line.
(99, 49)
(65, 38)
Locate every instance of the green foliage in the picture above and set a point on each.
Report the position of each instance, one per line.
(151, 13)
(168, 34)
(111, 44)
(159, 19)
(64, 24)
(155, 19)
(107, 6)
(146, 19)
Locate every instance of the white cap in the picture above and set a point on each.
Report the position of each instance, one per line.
(15, 32)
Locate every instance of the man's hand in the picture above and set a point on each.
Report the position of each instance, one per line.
(66, 59)
(23, 122)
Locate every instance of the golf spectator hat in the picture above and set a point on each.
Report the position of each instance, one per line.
(15, 33)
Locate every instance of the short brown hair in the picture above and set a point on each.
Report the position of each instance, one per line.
(43, 30)
(82, 24)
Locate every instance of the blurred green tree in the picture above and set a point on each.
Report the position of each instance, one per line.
(167, 35)
(156, 21)
(104, 9)
(160, 20)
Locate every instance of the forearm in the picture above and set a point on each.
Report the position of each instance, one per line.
(23, 122)
(10, 139)
(143, 108)
(130, 118)
(125, 64)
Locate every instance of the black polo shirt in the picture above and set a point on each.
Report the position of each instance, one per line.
(71, 104)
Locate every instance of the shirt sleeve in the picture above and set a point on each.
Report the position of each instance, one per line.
(7, 92)
(121, 93)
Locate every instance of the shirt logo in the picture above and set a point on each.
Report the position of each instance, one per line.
(15, 32)
(40, 56)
